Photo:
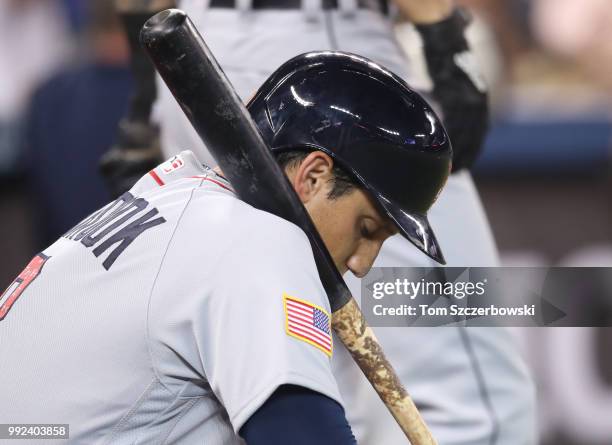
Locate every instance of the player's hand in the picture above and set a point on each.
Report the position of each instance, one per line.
(459, 87)
(425, 11)
(137, 151)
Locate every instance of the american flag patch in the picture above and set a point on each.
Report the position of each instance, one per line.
(307, 322)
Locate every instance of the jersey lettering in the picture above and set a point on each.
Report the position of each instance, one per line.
(95, 229)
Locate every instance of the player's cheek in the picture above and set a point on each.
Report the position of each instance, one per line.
(373, 248)
(346, 246)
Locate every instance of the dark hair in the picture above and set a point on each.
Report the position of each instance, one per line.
(342, 181)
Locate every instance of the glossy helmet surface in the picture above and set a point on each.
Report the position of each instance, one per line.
(371, 123)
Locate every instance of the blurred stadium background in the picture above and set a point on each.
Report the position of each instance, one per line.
(545, 174)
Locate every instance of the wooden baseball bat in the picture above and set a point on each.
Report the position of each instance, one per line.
(223, 123)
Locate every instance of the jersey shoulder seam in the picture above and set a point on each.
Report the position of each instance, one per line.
(159, 268)
(190, 404)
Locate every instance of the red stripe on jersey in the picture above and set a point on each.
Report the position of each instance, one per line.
(206, 178)
(156, 177)
(219, 184)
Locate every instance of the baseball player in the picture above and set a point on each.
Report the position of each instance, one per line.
(471, 384)
(180, 314)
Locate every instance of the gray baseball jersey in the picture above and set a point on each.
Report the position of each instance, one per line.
(471, 384)
(168, 316)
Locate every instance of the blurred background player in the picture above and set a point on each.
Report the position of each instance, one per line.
(25, 28)
(79, 106)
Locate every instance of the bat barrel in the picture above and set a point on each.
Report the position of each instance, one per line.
(163, 23)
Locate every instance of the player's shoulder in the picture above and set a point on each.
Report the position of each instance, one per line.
(226, 215)
(211, 212)
(172, 185)
(178, 172)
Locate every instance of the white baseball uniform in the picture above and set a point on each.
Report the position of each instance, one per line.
(471, 384)
(168, 316)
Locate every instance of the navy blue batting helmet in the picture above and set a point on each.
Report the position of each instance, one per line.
(371, 123)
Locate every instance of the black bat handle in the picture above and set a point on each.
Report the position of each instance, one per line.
(224, 124)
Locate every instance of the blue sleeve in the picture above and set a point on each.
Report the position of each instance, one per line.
(299, 416)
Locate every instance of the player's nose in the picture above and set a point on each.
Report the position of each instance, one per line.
(362, 260)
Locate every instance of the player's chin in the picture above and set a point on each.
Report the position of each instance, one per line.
(360, 274)
(343, 269)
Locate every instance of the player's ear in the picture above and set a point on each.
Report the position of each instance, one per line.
(312, 175)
